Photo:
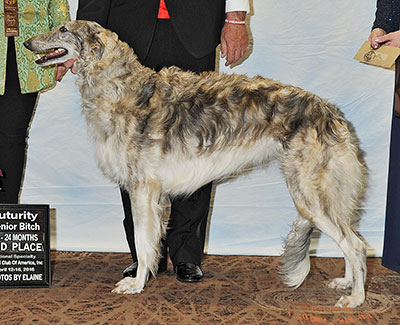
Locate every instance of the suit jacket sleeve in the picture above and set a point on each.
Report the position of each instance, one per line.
(387, 15)
(96, 10)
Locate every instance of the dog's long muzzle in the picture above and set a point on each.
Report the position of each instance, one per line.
(52, 54)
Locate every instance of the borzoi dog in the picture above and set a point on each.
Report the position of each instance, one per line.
(163, 134)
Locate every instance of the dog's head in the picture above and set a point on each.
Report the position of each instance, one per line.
(73, 40)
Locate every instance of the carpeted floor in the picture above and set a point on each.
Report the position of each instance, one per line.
(235, 290)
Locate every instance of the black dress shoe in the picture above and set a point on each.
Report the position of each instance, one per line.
(132, 269)
(188, 272)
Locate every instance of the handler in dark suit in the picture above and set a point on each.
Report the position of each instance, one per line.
(386, 31)
(184, 34)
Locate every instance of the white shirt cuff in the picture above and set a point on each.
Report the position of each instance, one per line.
(237, 5)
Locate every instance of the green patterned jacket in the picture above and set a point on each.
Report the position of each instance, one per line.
(35, 17)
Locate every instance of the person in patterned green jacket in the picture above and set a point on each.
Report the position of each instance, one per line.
(21, 80)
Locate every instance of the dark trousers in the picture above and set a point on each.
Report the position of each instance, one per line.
(188, 220)
(391, 247)
(15, 114)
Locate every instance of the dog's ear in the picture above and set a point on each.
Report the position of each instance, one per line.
(96, 46)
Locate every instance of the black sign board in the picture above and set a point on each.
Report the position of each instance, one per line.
(24, 246)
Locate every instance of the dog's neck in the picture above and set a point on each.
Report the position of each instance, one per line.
(118, 68)
(108, 84)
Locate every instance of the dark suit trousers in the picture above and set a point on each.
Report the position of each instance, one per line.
(391, 247)
(187, 226)
(15, 115)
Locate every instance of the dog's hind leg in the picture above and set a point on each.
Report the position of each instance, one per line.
(347, 281)
(326, 184)
(148, 229)
(353, 249)
(343, 187)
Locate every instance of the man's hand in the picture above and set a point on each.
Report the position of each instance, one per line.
(62, 69)
(234, 38)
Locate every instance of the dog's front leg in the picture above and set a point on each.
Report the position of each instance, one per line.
(130, 285)
(148, 229)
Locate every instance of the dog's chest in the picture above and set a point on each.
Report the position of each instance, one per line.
(111, 159)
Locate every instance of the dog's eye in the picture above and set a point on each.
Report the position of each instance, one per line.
(63, 29)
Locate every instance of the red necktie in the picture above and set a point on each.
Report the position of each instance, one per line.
(162, 11)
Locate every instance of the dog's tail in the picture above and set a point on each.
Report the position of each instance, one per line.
(295, 258)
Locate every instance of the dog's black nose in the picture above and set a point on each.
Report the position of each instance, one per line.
(27, 44)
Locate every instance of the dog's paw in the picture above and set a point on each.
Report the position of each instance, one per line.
(352, 301)
(340, 283)
(128, 286)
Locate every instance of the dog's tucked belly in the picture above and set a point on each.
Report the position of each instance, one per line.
(180, 174)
